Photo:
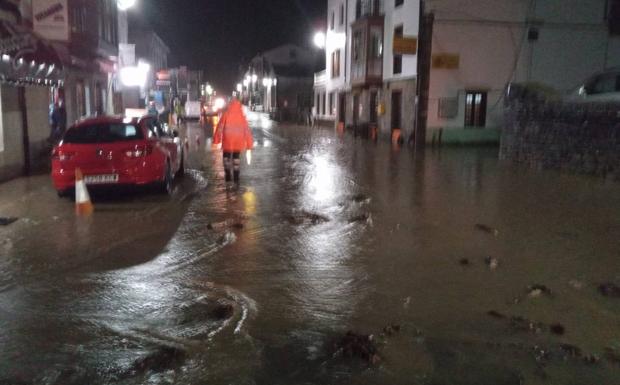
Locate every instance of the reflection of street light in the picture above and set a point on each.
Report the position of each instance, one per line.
(124, 5)
(319, 40)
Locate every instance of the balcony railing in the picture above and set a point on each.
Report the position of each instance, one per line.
(365, 8)
(320, 78)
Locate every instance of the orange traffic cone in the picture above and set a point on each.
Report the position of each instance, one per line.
(83, 205)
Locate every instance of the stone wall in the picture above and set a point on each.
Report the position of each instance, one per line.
(576, 137)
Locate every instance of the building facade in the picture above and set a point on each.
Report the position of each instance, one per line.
(480, 46)
(279, 81)
(371, 65)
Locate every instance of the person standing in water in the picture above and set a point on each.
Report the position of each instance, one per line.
(233, 135)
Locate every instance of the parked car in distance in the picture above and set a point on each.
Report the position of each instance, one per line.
(604, 86)
(116, 151)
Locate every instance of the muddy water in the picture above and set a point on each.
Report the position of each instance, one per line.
(326, 235)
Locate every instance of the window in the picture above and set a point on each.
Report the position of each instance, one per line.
(398, 59)
(332, 20)
(398, 3)
(336, 63)
(357, 45)
(376, 45)
(331, 104)
(102, 133)
(341, 14)
(604, 84)
(358, 9)
(398, 64)
(475, 109)
(317, 105)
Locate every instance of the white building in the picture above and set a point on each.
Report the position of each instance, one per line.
(479, 46)
(367, 82)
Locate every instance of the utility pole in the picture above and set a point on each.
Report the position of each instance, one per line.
(425, 46)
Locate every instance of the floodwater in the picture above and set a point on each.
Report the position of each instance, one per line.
(326, 234)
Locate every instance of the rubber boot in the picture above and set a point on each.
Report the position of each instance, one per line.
(236, 174)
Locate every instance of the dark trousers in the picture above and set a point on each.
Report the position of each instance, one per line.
(232, 166)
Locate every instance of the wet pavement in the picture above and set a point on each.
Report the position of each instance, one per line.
(449, 267)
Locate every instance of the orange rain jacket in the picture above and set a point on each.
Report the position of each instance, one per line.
(233, 131)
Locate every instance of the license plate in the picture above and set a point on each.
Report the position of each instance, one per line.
(101, 179)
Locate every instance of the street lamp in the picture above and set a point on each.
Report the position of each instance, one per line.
(124, 5)
(239, 88)
(319, 40)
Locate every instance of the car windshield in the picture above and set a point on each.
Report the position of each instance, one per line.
(102, 133)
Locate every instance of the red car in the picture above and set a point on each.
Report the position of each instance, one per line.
(118, 151)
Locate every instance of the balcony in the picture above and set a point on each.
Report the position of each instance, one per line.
(320, 79)
(368, 8)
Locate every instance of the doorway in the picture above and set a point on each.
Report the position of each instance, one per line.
(342, 108)
(397, 109)
(374, 98)
(356, 109)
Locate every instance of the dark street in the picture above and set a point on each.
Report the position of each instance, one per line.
(463, 269)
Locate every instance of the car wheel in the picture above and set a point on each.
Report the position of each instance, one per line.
(181, 172)
(166, 184)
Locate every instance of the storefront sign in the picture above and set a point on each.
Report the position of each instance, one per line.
(405, 45)
(446, 61)
(51, 19)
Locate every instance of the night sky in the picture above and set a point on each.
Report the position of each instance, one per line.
(218, 35)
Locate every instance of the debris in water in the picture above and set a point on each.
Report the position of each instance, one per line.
(365, 217)
(354, 345)
(522, 324)
(487, 229)
(496, 314)
(557, 329)
(360, 198)
(541, 355)
(491, 262)
(570, 351)
(5, 221)
(536, 291)
(164, 358)
(591, 359)
(575, 284)
(609, 290)
(464, 262)
(301, 217)
(407, 302)
(390, 330)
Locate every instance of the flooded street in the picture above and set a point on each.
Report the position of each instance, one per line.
(464, 270)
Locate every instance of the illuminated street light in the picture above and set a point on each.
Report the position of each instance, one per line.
(209, 90)
(254, 78)
(239, 88)
(267, 82)
(246, 83)
(319, 40)
(124, 5)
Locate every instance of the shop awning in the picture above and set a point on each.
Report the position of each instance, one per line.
(26, 58)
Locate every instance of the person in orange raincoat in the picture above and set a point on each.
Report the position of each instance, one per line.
(233, 134)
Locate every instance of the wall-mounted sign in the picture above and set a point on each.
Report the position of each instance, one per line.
(446, 61)
(405, 45)
(50, 19)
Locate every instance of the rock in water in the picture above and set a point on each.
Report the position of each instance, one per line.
(535, 291)
(464, 262)
(222, 311)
